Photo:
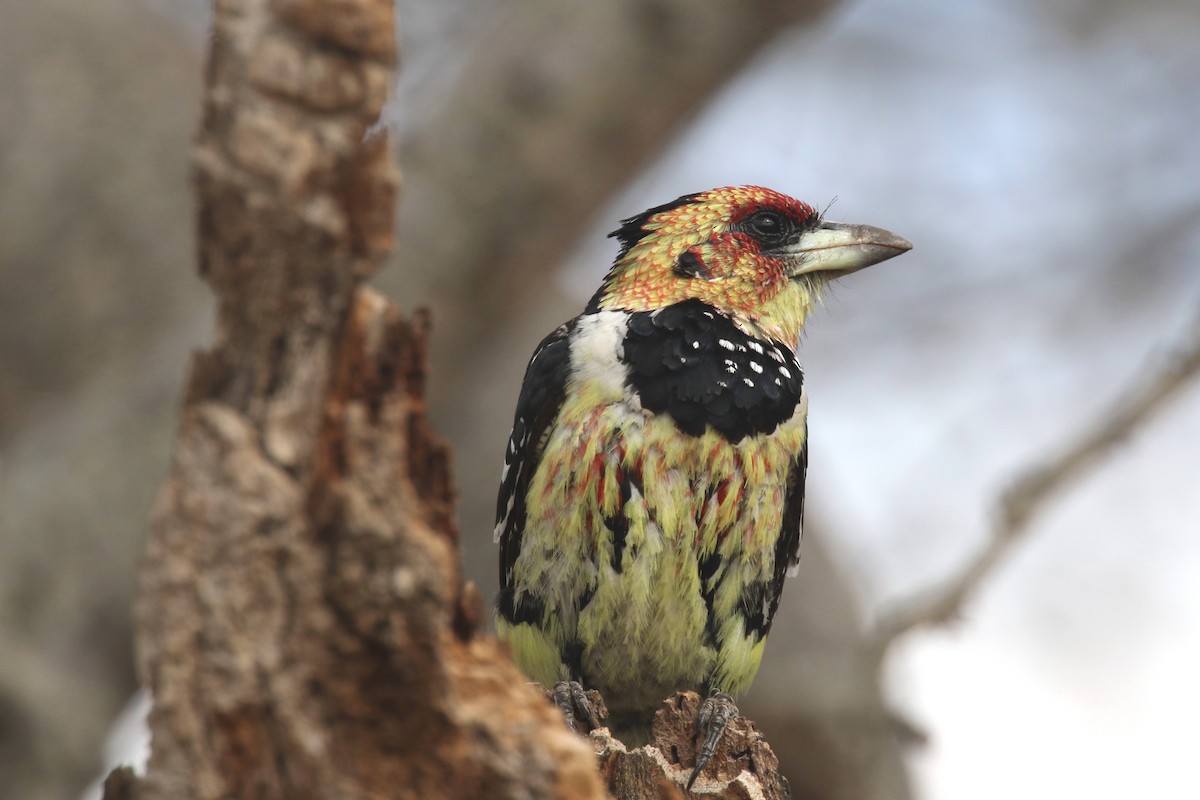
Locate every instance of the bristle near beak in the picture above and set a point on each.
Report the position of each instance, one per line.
(840, 249)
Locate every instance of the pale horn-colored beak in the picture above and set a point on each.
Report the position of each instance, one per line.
(840, 249)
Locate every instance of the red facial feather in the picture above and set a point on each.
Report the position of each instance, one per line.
(695, 248)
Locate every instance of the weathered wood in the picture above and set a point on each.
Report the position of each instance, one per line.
(743, 768)
(302, 623)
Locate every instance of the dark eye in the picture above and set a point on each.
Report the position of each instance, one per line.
(769, 227)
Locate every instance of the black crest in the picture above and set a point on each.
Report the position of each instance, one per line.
(691, 362)
(633, 230)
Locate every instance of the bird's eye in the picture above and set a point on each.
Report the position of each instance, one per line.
(767, 226)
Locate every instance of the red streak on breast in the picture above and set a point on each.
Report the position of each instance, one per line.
(596, 477)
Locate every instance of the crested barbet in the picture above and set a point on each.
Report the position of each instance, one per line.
(652, 496)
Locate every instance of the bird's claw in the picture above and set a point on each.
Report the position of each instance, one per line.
(574, 705)
(715, 713)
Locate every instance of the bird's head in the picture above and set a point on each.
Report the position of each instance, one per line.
(760, 256)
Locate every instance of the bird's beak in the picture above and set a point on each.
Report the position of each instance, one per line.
(839, 249)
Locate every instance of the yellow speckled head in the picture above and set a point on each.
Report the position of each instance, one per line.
(754, 253)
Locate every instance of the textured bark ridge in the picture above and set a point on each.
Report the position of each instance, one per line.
(743, 768)
(302, 621)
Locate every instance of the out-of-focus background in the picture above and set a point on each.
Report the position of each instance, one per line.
(1042, 156)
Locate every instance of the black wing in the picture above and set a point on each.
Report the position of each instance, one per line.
(537, 407)
(787, 550)
(760, 599)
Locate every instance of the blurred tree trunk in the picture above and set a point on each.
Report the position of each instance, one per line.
(302, 624)
(97, 309)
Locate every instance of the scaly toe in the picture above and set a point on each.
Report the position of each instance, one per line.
(715, 713)
(572, 702)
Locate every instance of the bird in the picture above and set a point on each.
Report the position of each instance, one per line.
(651, 501)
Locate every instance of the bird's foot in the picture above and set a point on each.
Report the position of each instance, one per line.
(715, 713)
(572, 701)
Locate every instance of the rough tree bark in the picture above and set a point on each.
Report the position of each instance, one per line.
(302, 622)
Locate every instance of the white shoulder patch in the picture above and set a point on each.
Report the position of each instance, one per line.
(596, 349)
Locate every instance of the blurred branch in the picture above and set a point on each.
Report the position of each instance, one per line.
(1166, 375)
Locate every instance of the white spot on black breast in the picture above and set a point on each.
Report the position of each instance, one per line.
(670, 374)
